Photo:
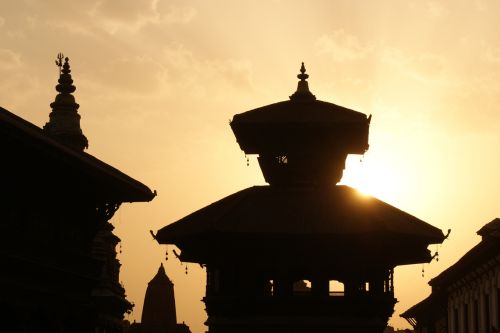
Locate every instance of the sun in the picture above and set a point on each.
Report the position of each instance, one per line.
(371, 178)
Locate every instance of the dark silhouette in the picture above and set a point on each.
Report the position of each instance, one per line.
(64, 123)
(465, 296)
(258, 243)
(57, 247)
(158, 313)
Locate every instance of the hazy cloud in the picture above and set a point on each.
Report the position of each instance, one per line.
(424, 67)
(435, 8)
(202, 77)
(491, 54)
(170, 13)
(132, 15)
(133, 75)
(342, 47)
(9, 60)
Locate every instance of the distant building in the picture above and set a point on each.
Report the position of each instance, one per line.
(465, 297)
(59, 267)
(159, 314)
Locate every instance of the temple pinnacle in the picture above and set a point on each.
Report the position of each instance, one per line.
(302, 92)
(64, 122)
(303, 76)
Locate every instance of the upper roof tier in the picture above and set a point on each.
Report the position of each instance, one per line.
(301, 124)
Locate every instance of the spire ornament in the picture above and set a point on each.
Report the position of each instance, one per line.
(64, 122)
(303, 76)
(302, 92)
(59, 62)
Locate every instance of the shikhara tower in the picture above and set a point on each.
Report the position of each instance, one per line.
(259, 243)
(64, 123)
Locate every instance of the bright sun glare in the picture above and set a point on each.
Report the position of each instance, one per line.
(370, 178)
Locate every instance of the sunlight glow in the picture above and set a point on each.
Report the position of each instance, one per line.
(370, 178)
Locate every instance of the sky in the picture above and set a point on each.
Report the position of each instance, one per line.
(159, 80)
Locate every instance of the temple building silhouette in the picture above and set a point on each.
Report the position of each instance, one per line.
(60, 272)
(465, 297)
(259, 243)
(159, 313)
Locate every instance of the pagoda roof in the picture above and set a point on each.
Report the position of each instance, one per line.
(302, 124)
(112, 183)
(300, 211)
(309, 111)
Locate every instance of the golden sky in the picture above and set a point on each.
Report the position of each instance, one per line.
(159, 80)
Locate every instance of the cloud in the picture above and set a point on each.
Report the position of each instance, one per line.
(435, 8)
(471, 107)
(203, 77)
(9, 60)
(342, 47)
(425, 67)
(170, 14)
(135, 75)
(491, 54)
(132, 15)
(92, 17)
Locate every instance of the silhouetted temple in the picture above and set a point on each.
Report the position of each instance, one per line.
(257, 243)
(59, 267)
(159, 314)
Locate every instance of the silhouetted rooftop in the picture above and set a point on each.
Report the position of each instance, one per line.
(301, 112)
(488, 248)
(123, 187)
(490, 229)
(340, 210)
(434, 304)
(302, 224)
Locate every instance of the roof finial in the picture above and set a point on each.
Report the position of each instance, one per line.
(303, 76)
(302, 92)
(64, 122)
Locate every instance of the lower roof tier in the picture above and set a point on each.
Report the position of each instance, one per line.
(335, 219)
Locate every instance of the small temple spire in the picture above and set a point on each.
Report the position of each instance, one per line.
(302, 92)
(161, 276)
(64, 122)
(158, 312)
